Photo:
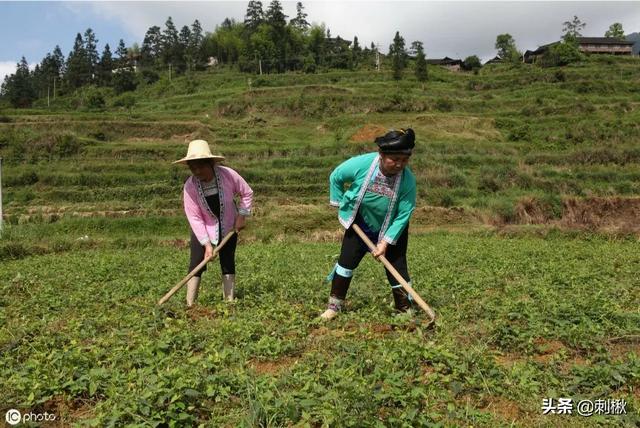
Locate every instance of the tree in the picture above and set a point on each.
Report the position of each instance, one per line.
(300, 21)
(471, 63)
(123, 55)
(151, 47)
(615, 30)
(91, 53)
(195, 45)
(58, 58)
(317, 43)
(184, 40)
(77, 72)
(339, 53)
(170, 46)
(254, 16)
(263, 46)
(398, 56)
(572, 29)
(563, 53)
(49, 69)
(123, 78)
(105, 68)
(18, 88)
(226, 43)
(356, 52)
(506, 46)
(277, 20)
(421, 61)
(275, 16)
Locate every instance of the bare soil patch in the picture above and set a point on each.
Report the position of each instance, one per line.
(368, 133)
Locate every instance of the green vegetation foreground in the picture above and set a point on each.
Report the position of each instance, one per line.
(521, 319)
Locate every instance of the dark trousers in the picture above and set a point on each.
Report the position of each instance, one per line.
(354, 249)
(227, 255)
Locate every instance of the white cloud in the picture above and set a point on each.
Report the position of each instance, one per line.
(7, 68)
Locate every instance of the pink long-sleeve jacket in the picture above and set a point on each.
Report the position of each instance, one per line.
(203, 222)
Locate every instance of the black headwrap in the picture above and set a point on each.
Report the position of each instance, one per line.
(401, 141)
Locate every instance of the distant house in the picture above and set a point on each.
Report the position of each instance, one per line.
(133, 68)
(605, 45)
(589, 45)
(449, 63)
(495, 60)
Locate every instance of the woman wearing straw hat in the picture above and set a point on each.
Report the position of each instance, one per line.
(380, 199)
(212, 212)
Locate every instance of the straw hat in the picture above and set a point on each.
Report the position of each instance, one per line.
(199, 149)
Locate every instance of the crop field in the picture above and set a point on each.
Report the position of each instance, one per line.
(520, 319)
(525, 242)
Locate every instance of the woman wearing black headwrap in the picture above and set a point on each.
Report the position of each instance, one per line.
(380, 199)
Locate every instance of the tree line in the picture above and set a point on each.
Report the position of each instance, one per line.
(264, 42)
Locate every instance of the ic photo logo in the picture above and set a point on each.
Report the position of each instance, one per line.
(13, 417)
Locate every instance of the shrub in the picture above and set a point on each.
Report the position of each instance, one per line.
(125, 100)
(444, 104)
(149, 76)
(471, 63)
(561, 54)
(124, 81)
(92, 98)
(67, 145)
(309, 64)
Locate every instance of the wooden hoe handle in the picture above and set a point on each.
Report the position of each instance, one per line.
(396, 274)
(197, 268)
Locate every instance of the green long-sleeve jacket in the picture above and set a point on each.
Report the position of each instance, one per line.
(358, 171)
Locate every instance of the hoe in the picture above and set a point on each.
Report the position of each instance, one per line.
(197, 268)
(396, 275)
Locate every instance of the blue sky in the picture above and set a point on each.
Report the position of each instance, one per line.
(32, 29)
(455, 29)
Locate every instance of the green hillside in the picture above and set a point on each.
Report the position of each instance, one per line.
(510, 145)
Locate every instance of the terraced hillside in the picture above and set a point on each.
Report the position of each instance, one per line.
(510, 145)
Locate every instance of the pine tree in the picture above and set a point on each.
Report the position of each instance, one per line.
(151, 47)
(275, 16)
(254, 16)
(186, 61)
(77, 73)
(123, 78)
(123, 55)
(300, 21)
(91, 54)
(18, 88)
(58, 59)
(421, 61)
(277, 21)
(356, 52)
(398, 56)
(170, 49)
(105, 68)
(195, 45)
(45, 73)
